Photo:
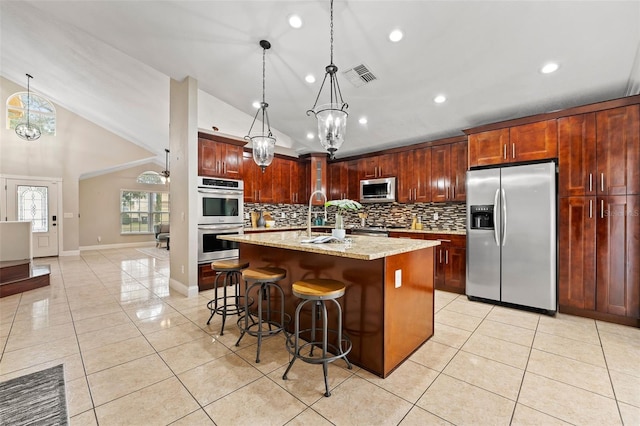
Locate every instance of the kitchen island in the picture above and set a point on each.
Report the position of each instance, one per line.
(388, 303)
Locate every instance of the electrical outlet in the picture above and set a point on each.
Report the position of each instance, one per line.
(436, 216)
(182, 269)
(99, 238)
(398, 278)
(295, 215)
(246, 216)
(282, 215)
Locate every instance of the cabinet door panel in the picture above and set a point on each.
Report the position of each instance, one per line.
(455, 273)
(535, 141)
(488, 148)
(368, 168)
(406, 179)
(440, 171)
(208, 158)
(458, 173)
(577, 155)
(422, 171)
(618, 150)
(232, 167)
(618, 250)
(577, 257)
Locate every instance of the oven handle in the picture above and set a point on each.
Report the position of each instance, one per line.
(220, 191)
(220, 227)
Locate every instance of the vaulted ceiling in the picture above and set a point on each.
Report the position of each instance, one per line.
(110, 61)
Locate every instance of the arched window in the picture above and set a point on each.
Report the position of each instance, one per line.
(42, 113)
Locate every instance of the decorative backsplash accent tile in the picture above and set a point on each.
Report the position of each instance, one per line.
(445, 216)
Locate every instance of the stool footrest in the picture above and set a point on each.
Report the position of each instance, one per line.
(338, 352)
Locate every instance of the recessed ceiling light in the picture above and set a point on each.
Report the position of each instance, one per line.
(295, 21)
(395, 36)
(362, 120)
(256, 104)
(310, 78)
(310, 135)
(439, 99)
(549, 68)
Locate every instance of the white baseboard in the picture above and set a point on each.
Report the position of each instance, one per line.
(70, 253)
(118, 245)
(189, 291)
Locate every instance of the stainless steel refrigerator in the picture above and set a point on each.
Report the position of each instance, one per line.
(511, 235)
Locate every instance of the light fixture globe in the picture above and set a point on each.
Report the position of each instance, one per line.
(264, 144)
(263, 150)
(332, 126)
(26, 130)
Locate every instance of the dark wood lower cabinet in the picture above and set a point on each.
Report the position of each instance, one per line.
(206, 277)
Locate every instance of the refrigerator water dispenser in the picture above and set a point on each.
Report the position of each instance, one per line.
(482, 217)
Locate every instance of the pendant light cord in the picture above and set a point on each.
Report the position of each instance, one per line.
(29, 77)
(331, 26)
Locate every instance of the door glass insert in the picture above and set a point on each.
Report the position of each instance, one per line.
(33, 204)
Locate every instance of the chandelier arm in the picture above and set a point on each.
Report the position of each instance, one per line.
(252, 123)
(318, 97)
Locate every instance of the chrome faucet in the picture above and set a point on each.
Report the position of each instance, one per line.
(309, 215)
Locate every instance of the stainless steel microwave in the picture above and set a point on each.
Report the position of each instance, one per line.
(382, 190)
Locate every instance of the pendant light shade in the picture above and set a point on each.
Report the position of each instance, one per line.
(26, 130)
(332, 117)
(264, 144)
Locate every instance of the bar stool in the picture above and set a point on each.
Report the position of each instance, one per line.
(263, 322)
(230, 271)
(318, 291)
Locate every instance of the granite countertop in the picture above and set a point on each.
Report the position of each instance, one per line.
(355, 247)
(406, 230)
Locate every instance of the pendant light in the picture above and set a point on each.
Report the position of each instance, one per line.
(28, 131)
(264, 145)
(165, 173)
(332, 117)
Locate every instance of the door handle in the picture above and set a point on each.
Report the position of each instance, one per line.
(446, 257)
(590, 182)
(504, 151)
(495, 218)
(602, 182)
(504, 217)
(440, 251)
(602, 208)
(513, 150)
(590, 209)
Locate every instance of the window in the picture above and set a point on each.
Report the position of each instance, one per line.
(140, 210)
(33, 206)
(42, 113)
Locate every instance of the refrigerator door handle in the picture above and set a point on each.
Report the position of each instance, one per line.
(504, 217)
(495, 218)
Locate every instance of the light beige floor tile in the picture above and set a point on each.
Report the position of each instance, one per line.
(512, 316)
(113, 354)
(467, 307)
(464, 404)
(454, 319)
(451, 336)
(160, 322)
(357, 401)
(88, 418)
(622, 330)
(43, 321)
(160, 403)
(39, 354)
(622, 358)
(630, 339)
(498, 350)
(419, 417)
(73, 368)
(100, 323)
(23, 339)
(144, 309)
(433, 355)
(409, 381)
(306, 381)
(78, 397)
(309, 418)
(525, 416)
(567, 402)
(265, 397)
(96, 311)
(36, 309)
(630, 414)
(571, 372)
(627, 387)
(485, 373)
(197, 418)
(124, 379)
(192, 354)
(273, 352)
(106, 336)
(581, 351)
(508, 332)
(222, 376)
(174, 336)
(566, 326)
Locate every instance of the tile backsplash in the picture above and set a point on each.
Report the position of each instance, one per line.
(446, 216)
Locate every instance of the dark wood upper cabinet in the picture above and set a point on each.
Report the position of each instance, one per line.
(618, 151)
(577, 155)
(459, 166)
(219, 159)
(488, 148)
(448, 172)
(535, 141)
(617, 254)
(577, 253)
(414, 176)
(377, 166)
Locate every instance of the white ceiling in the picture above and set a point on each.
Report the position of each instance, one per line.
(110, 61)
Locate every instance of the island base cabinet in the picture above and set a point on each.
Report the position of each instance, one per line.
(387, 306)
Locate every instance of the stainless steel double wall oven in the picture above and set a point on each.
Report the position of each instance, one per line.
(220, 212)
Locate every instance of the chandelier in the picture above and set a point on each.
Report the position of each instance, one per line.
(28, 131)
(332, 117)
(263, 144)
(165, 173)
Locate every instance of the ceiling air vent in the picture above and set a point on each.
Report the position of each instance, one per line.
(359, 75)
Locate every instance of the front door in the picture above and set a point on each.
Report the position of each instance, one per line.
(36, 201)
